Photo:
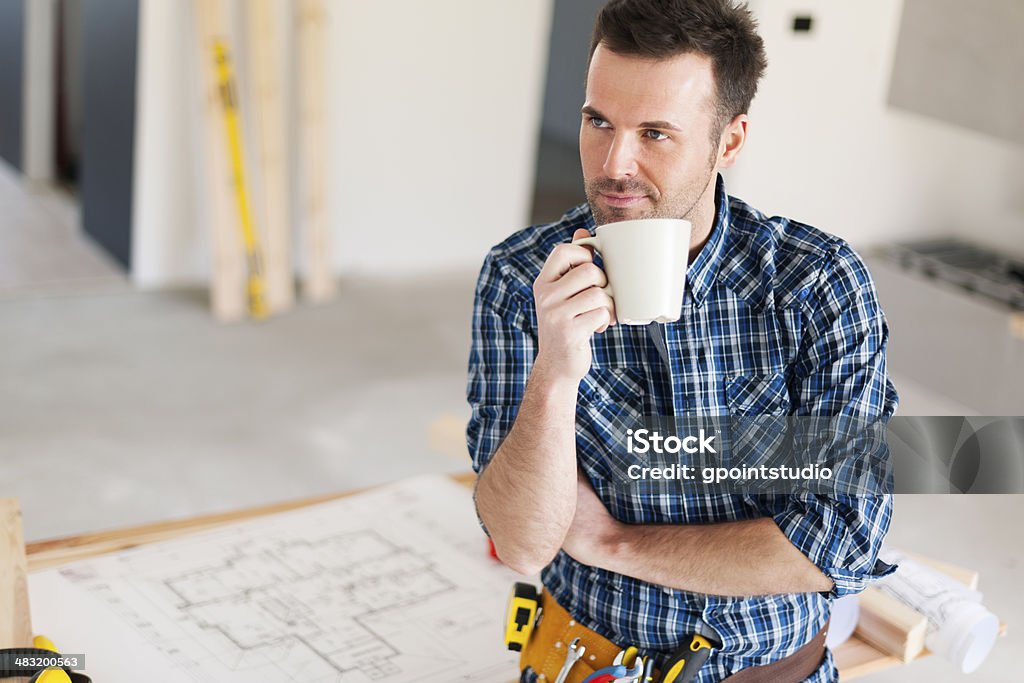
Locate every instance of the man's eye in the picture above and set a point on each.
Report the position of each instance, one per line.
(597, 122)
(655, 135)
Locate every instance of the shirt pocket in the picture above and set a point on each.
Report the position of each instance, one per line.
(620, 386)
(756, 395)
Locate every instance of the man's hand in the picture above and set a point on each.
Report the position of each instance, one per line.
(594, 533)
(571, 307)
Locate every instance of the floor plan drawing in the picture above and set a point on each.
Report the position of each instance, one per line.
(390, 585)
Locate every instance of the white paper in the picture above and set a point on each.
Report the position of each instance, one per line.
(391, 585)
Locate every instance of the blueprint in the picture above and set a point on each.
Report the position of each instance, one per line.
(390, 585)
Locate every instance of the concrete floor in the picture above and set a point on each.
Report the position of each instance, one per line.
(134, 407)
(42, 250)
(120, 407)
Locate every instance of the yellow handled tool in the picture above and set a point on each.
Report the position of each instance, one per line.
(49, 675)
(683, 665)
(250, 240)
(22, 662)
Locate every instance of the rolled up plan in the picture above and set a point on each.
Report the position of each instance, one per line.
(843, 621)
(960, 629)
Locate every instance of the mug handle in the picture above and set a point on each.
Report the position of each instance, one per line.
(594, 242)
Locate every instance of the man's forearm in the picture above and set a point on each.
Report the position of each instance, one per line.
(526, 496)
(750, 557)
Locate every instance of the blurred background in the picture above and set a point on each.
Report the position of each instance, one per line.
(449, 125)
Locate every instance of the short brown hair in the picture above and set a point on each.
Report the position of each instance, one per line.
(661, 29)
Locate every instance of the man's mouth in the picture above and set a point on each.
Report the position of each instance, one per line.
(622, 201)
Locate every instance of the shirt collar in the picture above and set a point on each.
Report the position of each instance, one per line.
(701, 273)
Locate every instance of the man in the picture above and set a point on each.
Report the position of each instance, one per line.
(778, 318)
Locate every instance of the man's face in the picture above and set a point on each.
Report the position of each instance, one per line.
(645, 136)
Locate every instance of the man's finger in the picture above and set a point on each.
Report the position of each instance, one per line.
(563, 258)
(576, 280)
(593, 319)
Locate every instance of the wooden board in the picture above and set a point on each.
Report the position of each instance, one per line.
(859, 656)
(264, 46)
(1017, 325)
(15, 617)
(447, 435)
(319, 283)
(890, 626)
(856, 659)
(228, 283)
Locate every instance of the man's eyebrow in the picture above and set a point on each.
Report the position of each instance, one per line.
(667, 125)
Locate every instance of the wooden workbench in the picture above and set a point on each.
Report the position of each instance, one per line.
(855, 658)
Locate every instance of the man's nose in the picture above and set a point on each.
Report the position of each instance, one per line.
(621, 160)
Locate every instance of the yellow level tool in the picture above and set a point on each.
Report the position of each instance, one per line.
(250, 240)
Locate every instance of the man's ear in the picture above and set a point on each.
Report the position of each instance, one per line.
(731, 142)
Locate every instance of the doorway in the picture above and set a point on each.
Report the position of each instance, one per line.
(68, 95)
(558, 183)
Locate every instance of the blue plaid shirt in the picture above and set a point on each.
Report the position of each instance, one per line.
(778, 318)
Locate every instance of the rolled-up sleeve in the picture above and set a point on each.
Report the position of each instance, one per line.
(841, 372)
(841, 536)
(501, 356)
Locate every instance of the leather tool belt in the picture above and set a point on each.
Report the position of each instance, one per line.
(545, 652)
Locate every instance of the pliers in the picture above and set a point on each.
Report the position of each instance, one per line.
(618, 672)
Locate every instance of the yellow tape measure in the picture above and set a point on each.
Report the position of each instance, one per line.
(49, 675)
(523, 605)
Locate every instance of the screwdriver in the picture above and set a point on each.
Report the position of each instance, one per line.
(683, 665)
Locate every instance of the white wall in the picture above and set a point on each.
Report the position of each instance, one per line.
(170, 245)
(825, 148)
(436, 107)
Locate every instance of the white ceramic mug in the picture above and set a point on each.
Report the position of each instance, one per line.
(645, 261)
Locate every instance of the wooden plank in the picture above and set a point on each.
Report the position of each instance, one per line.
(264, 45)
(15, 617)
(447, 435)
(228, 283)
(856, 658)
(319, 283)
(890, 626)
(1017, 325)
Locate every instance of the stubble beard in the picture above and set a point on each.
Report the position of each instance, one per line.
(681, 205)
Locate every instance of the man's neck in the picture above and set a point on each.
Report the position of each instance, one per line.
(702, 218)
